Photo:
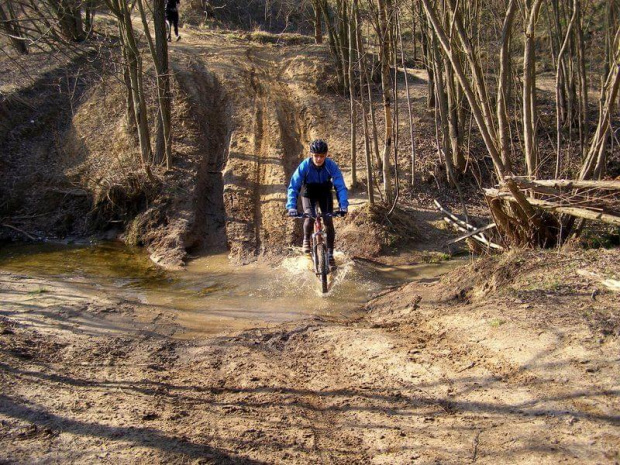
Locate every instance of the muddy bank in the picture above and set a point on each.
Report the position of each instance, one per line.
(429, 374)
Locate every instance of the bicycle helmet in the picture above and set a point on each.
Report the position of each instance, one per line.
(318, 146)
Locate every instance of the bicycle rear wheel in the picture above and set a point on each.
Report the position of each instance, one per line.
(322, 268)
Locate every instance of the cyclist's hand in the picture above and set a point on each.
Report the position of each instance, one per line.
(292, 212)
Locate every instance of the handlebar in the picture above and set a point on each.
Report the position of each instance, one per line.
(322, 215)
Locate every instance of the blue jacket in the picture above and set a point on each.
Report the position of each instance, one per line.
(308, 173)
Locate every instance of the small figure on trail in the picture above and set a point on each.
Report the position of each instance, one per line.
(172, 17)
(314, 178)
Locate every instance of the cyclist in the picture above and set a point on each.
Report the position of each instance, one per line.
(172, 16)
(314, 178)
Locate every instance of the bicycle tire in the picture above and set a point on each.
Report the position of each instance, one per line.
(322, 266)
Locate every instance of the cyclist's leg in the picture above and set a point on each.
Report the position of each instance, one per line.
(175, 20)
(309, 208)
(326, 202)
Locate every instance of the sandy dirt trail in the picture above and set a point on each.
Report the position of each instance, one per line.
(414, 381)
(258, 97)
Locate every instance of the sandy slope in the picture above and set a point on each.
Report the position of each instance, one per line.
(254, 103)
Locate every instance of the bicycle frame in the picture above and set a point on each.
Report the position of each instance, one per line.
(319, 237)
(319, 252)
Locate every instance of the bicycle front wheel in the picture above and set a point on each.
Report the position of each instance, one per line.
(322, 268)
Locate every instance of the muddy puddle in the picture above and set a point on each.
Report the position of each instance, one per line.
(212, 295)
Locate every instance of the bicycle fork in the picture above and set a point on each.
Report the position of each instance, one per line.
(318, 238)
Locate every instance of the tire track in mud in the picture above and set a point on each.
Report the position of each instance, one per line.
(264, 163)
(205, 139)
(259, 150)
(245, 129)
(254, 115)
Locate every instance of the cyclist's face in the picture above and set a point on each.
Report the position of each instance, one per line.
(319, 158)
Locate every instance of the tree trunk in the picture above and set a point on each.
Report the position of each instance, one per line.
(584, 128)
(362, 65)
(556, 40)
(130, 112)
(373, 121)
(529, 91)
(558, 90)
(442, 100)
(134, 71)
(384, 52)
(334, 46)
(409, 111)
(89, 16)
(474, 61)
(428, 65)
(458, 159)
(343, 41)
(352, 59)
(164, 93)
(594, 164)
(68, 13)
(503, 87)
(318, 32)
(482, 123)
(159, 52)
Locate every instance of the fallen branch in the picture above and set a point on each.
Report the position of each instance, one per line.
(573, 211)
(568, 183)
(466, 227)
(32, 238)
(478, 236)
(75, 192)
(455, 218)
(612, 284)
(472, 233)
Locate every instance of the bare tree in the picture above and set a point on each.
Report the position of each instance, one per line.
(159, 52)
(337, 33)
(69, 15)
(352, 60)
(503, 87)
(134, 76)
(409, 110)
(583, 82)
(595, 162)
(558, 90)
(384, 10)
(362, 77)
(529, 87)
(474, 97)
(318, 31)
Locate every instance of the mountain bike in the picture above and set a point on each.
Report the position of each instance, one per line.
(318, 248)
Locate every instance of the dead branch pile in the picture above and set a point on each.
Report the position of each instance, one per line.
(471, 232)
(587, 200)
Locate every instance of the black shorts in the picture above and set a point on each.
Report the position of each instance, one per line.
(172, 16)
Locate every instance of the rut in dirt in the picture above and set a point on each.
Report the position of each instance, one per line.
(251, 137)
(211, 105)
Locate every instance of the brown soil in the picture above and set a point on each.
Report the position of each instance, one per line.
(477, 367)
(508, 359)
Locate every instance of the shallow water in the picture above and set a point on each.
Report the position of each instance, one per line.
(212, 295)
